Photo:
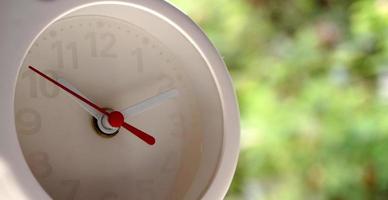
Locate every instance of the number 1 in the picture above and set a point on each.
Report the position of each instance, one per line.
(138, 52)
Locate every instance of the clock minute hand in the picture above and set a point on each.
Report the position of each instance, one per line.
(115, 118)
(150, 102)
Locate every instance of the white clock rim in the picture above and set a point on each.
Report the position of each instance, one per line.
(16, 179)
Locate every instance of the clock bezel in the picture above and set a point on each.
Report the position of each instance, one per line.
(16, 39)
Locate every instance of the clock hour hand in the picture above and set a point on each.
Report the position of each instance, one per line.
(149, 103)
(96, 114)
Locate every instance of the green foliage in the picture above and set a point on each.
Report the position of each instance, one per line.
(307, 73)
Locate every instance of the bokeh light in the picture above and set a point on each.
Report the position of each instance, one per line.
(312, 83)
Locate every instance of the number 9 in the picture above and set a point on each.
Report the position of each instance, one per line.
(28, 121)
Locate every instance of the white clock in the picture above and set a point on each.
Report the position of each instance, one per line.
(112, 100)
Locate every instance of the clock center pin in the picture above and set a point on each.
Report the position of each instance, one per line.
(116, 119)
(108, 125)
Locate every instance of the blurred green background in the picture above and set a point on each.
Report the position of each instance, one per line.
(312, 83)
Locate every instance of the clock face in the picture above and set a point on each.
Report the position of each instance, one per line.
(74, 154)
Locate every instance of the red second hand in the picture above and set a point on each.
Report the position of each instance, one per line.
(69, 91)
(115, 118)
